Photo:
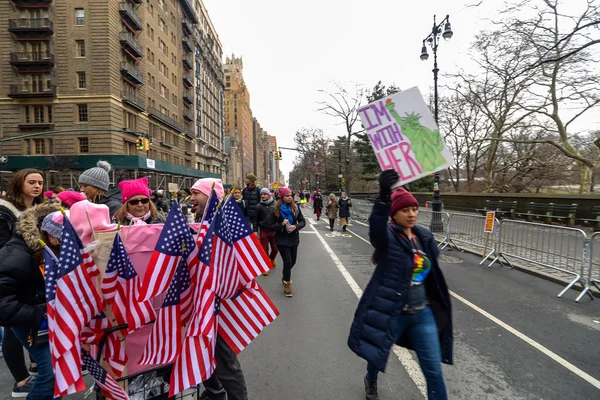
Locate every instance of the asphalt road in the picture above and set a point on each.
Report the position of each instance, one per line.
(514, 339)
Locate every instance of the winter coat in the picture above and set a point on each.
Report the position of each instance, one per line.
(252, 198)
(8, 219)
(161, 205)
(317, 202)
(344, 205)
(22, 289)
(244, 207)
(263, 212)
(331, 207)
(112, 199)
(282, 237)
(373, 331)
(149, 221)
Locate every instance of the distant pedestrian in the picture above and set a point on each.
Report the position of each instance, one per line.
(318, 204)
(237, 195)
(158, 198)
(344, 203)
(331, 208)
(407, 301)
(286, 221)
(52, 195)
(266, 233)
(137, 207)
(95, 182)
(251, 195)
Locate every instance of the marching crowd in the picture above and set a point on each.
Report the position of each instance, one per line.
(406, 301)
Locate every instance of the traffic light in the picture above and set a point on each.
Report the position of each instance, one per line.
(146, 143)
(139, 144)
(276, 155)
(279, 156)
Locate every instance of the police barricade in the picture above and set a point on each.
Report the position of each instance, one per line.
(593, 257)
(425, 219)
(548, 246)
(468, 230)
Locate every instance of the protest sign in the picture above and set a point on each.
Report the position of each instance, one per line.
(405, 136)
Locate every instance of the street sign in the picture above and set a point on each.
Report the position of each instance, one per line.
(173, 187)
(275, 185)
(150, 163)
(490, 217)
(340, 176)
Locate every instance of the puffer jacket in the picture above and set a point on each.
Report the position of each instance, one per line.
(112, 199)
(8, 219)
(331, 207)
(264, 209)
(252, 198)
(282, 236)
(372, 333)
(22, 289)
(344, 205)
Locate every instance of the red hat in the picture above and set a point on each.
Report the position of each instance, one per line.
(70, 197)
(48, 194)
(135, 187)
(401, 199)
(284, 191)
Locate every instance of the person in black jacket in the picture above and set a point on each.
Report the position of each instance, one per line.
(344, 205)
(251, 195)
(237, 195)
(24, 191)
(407, 301)
(94, 183)
(318, 204)
(266, 234)
(287, 220)
(22, 288)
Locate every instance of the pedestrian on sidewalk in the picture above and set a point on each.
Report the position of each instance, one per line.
(137, 207)
(286, 221)
(251, 195)
(227, 381)
(318, 204)
(23, 294)
(237, 195)
(331, 208)
(24, 191)
(344, 203)
(95, 182)
(266, 234)
(406, 301)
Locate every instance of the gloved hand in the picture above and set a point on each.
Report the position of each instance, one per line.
(387, 179)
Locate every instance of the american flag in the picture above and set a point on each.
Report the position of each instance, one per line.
(120, 288)
(165, 339)
(108, 386)
(72, 302)
(166, 255)
(113, 350)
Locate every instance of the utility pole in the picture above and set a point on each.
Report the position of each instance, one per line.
(340, 169)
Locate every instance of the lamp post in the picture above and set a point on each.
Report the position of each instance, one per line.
(433, 40)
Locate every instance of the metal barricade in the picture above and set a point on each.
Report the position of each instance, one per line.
(555, 247)
(469, 229)
(593, 258)
(425, 218)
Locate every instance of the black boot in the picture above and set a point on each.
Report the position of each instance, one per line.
(371, 390)
(344, 228)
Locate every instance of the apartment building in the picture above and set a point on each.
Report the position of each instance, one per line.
(260, 139)
(103, 74)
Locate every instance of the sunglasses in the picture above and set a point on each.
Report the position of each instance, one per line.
(135, 202)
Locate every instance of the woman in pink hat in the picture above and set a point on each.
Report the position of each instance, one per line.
(69, 197)
(137, 209)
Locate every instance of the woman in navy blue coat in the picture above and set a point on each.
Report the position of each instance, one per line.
(406, 301)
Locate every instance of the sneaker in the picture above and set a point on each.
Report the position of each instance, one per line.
(33, 371)
(287, 288)
(22, 391)
(371, 390)
(266, 273)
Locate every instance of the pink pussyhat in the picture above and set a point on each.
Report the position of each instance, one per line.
(204, 185)
(284, 191)
(69, 197)
(48, 194)
(135, 187)
(99, 218)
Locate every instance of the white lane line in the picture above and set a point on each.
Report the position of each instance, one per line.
(409, 363)
(360, 237)
(312, 221)
(582, 374)
(361, 223)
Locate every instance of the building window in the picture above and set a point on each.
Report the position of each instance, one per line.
(82, 112)
(38, 114)
(84, 145)
(81, 83)
(228, 84)
(39, 146)
(80, 48)
(79, 16)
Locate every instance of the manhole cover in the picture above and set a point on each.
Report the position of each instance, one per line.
(450, 259)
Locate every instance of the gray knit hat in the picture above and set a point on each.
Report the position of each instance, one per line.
(53, 224)
(265, 191)
(96, 177)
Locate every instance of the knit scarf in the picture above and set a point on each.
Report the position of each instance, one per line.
(286, 212)
(138, 221)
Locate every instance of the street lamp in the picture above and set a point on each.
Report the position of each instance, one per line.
(433, 40)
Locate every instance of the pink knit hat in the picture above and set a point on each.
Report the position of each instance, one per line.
(284, 191)
(48, 194)
(136, 187)
(70, 197)
(99, 218)
(204, 185)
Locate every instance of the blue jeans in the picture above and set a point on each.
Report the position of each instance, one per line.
(43, 385)
(423, 335)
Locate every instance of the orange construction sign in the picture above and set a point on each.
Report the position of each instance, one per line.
(490, 218)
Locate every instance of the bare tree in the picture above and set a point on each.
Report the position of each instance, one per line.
(343, 105)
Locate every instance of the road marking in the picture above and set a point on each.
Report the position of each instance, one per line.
(582, 374)
(360, 237)
(361, 223)
(412, 367)
(312, 221)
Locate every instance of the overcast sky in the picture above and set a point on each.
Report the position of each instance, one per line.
(293, 49)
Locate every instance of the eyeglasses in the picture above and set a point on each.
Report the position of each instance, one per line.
(135, 202)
